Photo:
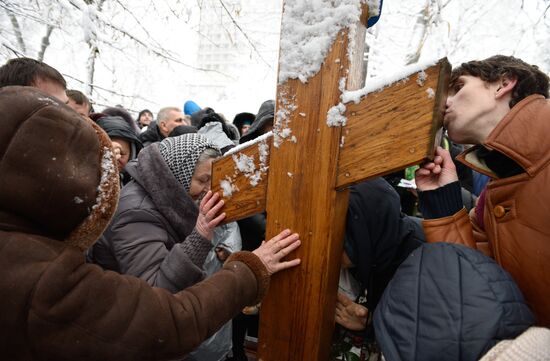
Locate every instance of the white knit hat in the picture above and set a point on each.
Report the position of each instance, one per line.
(532, 345)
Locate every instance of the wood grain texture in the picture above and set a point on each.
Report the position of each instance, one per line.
(394, 128)
(297, 315)
(250, 198)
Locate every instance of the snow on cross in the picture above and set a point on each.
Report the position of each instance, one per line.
(308, 166)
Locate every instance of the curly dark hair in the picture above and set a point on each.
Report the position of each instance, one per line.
(530, 79)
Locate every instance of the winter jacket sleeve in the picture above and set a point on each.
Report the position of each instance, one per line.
(140, 240)
(79, 312)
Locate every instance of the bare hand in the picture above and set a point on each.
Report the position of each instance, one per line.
(117, 148)
(209, 218)
(272, 251)
(436, 174)
(349, 314)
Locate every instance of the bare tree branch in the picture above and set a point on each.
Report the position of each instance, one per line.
(45, 43)
(17, 29)
(245, 35)
(95, 86)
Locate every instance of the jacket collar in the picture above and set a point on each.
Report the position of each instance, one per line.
(520, 136)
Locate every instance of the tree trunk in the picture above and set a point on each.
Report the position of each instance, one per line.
(90, 67)
(45, 43)
(18, 34)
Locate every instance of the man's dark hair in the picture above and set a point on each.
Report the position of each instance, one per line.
(530, 80)
(25, 72)
(78, 97)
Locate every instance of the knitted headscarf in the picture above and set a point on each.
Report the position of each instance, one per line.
(181, 154)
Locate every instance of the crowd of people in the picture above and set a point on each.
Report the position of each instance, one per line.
(113, 246)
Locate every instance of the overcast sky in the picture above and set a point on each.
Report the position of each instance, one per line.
(138, 78)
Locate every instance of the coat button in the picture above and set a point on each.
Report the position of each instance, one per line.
(499, 211)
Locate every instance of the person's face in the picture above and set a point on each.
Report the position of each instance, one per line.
(145, 119)
(52, 88)
(471, 106)
(82, 109)
(125, 150)
(200, 182)
(174, 119)
(245, 128)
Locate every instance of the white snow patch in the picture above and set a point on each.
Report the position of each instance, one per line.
(431, 93)
(281, 127)
(264, 153)
(240, 147)
(374, 7)
(335, 116)
(289, 174)
(78, 200)
(285, 133)
(108, 170)
(379, 83)
(308, 30)
(303, 115)
(48, 100)
(293, 139)
(244, 163)
(421, 79)
(228, 187)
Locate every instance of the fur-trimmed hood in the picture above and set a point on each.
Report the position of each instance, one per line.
(58, 175)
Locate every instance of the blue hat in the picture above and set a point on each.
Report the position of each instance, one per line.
(190, 107)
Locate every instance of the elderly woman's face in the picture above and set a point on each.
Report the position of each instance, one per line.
(200, 182)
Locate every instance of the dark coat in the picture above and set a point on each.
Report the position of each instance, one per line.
(151, 135)
(152, 234)
(448, 302)
(378, 236)
(54, 305)
(265, 116)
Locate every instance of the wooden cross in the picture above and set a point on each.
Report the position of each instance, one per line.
(302, 182)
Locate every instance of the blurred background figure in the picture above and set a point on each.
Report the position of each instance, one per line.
(125, 142)
(190, 107)
(79, 102)
(243, 121)
(145, 117)
(167, 119)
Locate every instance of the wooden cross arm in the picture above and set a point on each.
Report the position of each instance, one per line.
(395, 128)
(243, 196)
(399, 125)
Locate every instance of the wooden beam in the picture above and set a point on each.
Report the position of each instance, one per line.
(248, 196)
(394, 128)
(297, 315)
(388, 130)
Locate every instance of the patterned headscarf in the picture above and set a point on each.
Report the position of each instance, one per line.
(181, 154)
